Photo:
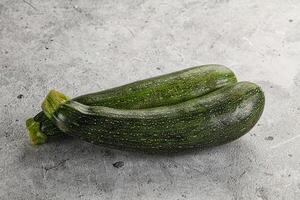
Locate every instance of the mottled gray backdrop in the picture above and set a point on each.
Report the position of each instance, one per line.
(79, 46)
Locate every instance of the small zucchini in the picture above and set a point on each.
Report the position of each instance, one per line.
(209, 120)
(163, 90)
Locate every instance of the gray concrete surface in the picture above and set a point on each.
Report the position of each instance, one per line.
(84, 46)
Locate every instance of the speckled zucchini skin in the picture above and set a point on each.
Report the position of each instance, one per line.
(163, 90)
(213, 119)
(158, 91)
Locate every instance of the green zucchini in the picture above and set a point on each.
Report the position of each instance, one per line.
(213, 119)
(163, 90)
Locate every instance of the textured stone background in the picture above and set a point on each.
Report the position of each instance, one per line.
(79, 46)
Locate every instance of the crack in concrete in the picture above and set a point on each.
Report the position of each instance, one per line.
(30, 4)
(56, 166)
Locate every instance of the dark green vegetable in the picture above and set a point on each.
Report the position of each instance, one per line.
(163, 90)
(213, 119)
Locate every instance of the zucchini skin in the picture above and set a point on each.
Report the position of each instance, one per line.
(162, 90)
(210, 120)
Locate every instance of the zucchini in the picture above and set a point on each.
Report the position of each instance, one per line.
(213, 119)
(163, 90)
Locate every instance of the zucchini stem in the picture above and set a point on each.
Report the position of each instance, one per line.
(36, 136)
(51, 103)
